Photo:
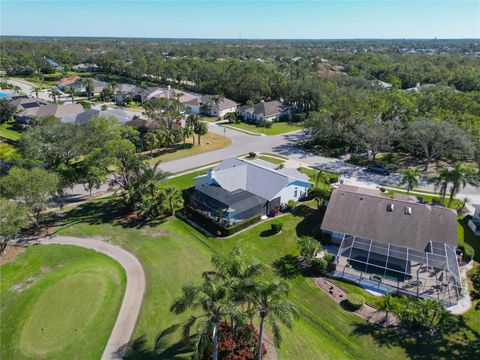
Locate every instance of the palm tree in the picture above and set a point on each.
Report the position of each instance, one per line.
(411, 179)
(152, 141)
(387, 305)
(440, 183)
(36, 90)
(89, 87)
(271, 301)
(201, 129)
(213, 298)
(318, 177)
(143, 87)
(150, 177)
(53, 94)
(187, 133)
(192, 121)
(460, 176)
(172, 199)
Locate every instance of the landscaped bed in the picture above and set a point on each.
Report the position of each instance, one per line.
(59, 302)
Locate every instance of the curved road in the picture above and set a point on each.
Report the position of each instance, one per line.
(132, 300)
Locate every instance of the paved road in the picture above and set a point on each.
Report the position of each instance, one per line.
(132, 300)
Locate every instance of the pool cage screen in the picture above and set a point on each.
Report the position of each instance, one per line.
(431, 274)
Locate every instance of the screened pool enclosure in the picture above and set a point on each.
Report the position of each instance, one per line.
(432, 273)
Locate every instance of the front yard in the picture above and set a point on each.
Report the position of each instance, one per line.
(276, 129)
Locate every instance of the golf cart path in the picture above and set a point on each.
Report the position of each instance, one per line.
(132, 300)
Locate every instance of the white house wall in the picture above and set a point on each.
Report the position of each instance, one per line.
(288, 192)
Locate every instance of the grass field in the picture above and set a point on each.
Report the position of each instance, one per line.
(276, 129)
(8, 151)
(273, 160)
(8, 132)
(174, 253)
(209, 142)
(59, 302)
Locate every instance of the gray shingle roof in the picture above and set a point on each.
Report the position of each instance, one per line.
(268, 108)
(363, 214)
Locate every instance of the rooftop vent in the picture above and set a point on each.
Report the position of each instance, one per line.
(390, 207)
(408, 211)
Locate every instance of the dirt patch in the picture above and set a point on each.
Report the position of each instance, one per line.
(10, 253)
(366, 312)
(24, 284)
(270, 346)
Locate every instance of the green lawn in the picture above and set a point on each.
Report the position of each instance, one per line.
(7, 131)
(183, 181)
(276, 129)
(59, 302)
(273, 160)
(173, 253)
(8, 151)
(468, 238)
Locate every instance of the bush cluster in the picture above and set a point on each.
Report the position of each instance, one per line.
(276, 227)
(355, 301)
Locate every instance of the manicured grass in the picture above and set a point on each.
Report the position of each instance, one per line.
(174, 253)
(271, 159)
(427, 198)
(7, 131)
(276, 129)
(58, 302)
(8, 151)
(209, 142)
(209, 119)
(468, 238)
(183, 181)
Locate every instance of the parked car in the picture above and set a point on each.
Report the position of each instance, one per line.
(379, 169)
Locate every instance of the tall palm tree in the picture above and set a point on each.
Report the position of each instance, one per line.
(172, 199)
(36, 90)
(152, 141)
(318, 177)
(53, 94)
(143, 88)
(271, 301)
(192, 121)
(200, 129)
(89, 87)
(411, 179)
(213, 298)
(441, 182)
(387, 305)
(187, 133)
(460, 176)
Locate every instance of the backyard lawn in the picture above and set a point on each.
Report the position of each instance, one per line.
(273, 160)
(276, 129)
(58, 302)
(8, 151)
(209, 142)
(7, 131)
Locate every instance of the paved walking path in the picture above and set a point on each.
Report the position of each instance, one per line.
(132, 300)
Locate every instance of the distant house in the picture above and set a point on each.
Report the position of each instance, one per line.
(237, 189)
(220, 109)
(54, 64)
(63, 112)
(85, 67)
(68, 81)
(264, 110)
(142, 125)
(125, 91)
(184, 97)
(474, 222)
(394, 244)
(83, 117)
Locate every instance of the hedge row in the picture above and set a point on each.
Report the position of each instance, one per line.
(215, 228)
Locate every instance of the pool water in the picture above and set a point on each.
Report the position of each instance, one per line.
(3, 94)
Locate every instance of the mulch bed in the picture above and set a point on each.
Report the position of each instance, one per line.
(10, 253)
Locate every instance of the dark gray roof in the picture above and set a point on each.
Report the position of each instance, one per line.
(365, 215)
(235, 201)
(269, 108)
(86, 115)
(224, 103)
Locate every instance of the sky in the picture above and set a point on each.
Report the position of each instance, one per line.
(248, 19)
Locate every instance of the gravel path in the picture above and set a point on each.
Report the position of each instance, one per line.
(132, 300)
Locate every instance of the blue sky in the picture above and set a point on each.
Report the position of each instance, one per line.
(246, 19)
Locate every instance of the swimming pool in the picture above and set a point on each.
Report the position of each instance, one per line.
(3, 94)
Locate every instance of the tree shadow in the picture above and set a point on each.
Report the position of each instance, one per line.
(311, 222)
(459, 342)
(267, 233)
(163, 349)
(287, 266)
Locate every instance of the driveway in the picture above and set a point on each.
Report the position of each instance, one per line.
(132, 300)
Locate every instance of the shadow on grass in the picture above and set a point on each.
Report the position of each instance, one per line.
(287, 266)
(163, 348)
(104, 211)
(311, 222)
(459, 342)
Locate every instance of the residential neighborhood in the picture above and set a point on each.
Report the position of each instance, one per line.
(281, 180)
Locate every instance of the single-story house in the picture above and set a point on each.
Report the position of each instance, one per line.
(63, 112)
(264, 110)
(394, 244)
(124, 91)
(474, 222)
(23, 103)
(68, 81)
(224, 106)
(85, 67)
(83, 118)
(181, 95)
(54, 64)
(237, 189)
(142, 124)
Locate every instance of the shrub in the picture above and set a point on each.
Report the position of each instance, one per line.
(319, 266)
(283, 118)
(251, 154)
(467, 251)
(291, 204)
(355, 301)
(333, 178)
(264, 124)
(299, 117)
(276, 227)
